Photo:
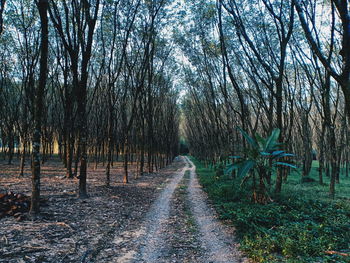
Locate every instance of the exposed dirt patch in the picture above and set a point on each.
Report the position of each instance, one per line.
(71, 229)
(163, 217)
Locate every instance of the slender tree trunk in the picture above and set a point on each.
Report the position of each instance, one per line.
(334, 166)
(321, 158)
(110, 146)
(40, 92)
(96, 156)
(126, 152)
(2, 6)
(76, 160)
(69, 156)
(142, 157)
(23, 159)
(327, 169)
(11, 147)
(279, 108)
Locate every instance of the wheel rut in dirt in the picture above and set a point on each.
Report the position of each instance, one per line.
(147, 243)
(182, 232)
(179, 227)
(153, 244)
(217, 239)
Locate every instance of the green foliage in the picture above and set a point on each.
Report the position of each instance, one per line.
(307, 179)
(262, 155)
(219, 170)
(260, 158)
(299, 226)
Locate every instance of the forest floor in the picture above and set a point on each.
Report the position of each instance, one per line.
(301, 225)
(160, 217)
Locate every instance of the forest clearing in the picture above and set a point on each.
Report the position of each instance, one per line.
(175, 131)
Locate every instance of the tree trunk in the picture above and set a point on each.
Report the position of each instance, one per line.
(2, 6)
(69, 156)
(322, 156)
(23, 159)
(126, 152)
(11, 146)
(279, 108)
(109, 147)
(334, 166)
(40, 92)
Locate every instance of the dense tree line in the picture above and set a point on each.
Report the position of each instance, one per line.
(265, 64)
(108, 90)
(107, 93)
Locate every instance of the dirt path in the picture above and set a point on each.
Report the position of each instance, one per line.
(147, 243)
(179, 227)
(216, 239)
(153, 243)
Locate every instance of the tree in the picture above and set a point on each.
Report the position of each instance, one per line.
(281, 15)
(42, 6)
(2, 6)
(327, 57)
(80, 19)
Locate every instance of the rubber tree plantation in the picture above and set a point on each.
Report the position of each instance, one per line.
(174, 131)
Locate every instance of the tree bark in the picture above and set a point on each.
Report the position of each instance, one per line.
(42, 6)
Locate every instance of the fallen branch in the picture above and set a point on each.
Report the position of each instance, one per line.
(331, 252)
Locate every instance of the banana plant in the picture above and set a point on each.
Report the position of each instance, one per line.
(260, 158)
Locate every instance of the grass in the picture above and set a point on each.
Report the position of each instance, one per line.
(299, 226)
(320, 191)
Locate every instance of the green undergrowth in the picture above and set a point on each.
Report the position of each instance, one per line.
(300, 225)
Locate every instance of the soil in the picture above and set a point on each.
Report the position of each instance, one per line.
(217, 239)
(72, 229)
(159, 217)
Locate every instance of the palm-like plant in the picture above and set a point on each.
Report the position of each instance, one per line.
(261, 157)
